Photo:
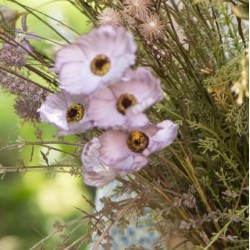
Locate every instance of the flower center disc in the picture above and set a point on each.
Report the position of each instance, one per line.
(100, 65)
(124, 102)
(137, 141)
(74, 112)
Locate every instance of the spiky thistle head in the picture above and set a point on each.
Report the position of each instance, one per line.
(110, 16)
(137, 8)
(152, 28)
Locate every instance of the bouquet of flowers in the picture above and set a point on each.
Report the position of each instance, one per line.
(157, 94)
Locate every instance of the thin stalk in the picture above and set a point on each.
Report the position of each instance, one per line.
(35, 167)
(28, 9)
(198, 187)
(41, 74)
(9, 39)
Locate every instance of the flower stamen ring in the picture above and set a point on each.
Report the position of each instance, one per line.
(100, 65)
(137, 141)
(124, 102)
(75, 112)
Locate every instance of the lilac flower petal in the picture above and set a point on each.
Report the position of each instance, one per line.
(146, 90)
(103, 102)
(113, 147)
(139, 162)
(90, 154)
(104, 114)
(164, 137)
(76, 80)
(136, 120)
(143, 85)
(97, 179)
(52, 110)
(94, 172)
(68, 54)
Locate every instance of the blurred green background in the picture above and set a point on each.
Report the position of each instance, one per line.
(31, 202)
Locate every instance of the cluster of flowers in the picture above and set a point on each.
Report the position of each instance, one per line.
(100, 90)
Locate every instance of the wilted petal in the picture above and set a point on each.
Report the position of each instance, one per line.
(96, 173)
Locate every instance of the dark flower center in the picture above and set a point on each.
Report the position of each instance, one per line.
(75, 112)
(100, 65)
(124, 102)
(137, 141)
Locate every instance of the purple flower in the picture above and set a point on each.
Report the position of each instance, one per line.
(95, 59)
(66, 112)
(127, 151)
(122, 104)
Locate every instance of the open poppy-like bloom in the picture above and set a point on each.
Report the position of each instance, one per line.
(94, 172)
(122, 104)
(95, 59)
(66, 112)
(128, 150)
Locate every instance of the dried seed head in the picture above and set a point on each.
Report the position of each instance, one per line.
(13, 55)
(30, 97)
(137, 8)
(21, 87)
(110, 16)
(152, 28)
(26, 108)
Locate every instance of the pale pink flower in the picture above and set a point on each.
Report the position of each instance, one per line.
(122, 104)
(128, 150)
(95, 59)
(66, 112)
(94, 172)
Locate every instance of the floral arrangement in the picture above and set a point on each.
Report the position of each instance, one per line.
(157, 93)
